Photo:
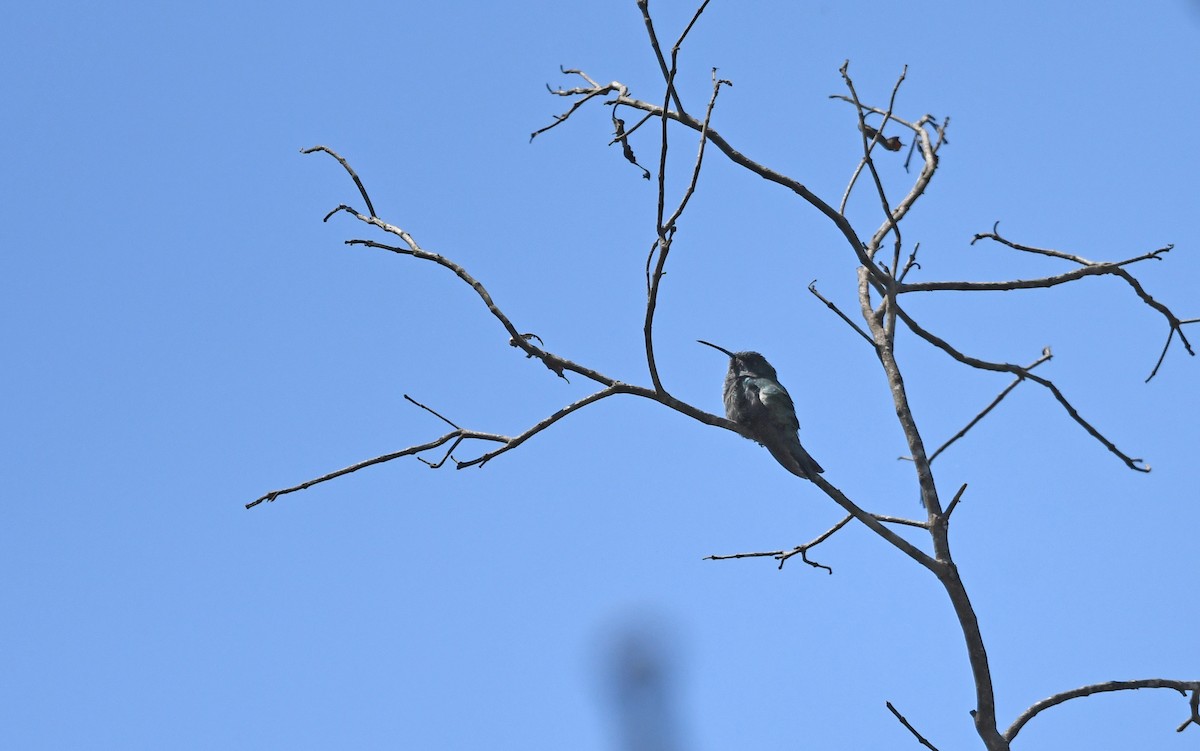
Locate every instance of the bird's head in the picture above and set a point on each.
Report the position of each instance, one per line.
(746, 363)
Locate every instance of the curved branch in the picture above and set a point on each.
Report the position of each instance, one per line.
(1090, 268)
(362, 190)
(762, 171)
(1009, 285)
(666, 230)
(1098, 688)
(517, 339)
(927, 146)
(656, 110)
(558, 365)
(1132, 463)
(512, 443)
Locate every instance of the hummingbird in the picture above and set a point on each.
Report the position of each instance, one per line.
(755, 399)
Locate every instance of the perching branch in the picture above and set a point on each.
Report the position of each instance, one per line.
(560, 365)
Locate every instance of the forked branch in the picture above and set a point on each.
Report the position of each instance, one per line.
(1024, 373)
(1046, 355)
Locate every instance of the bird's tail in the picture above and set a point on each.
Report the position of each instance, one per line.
(794, 458)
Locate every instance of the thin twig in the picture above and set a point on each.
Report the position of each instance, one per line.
(953, 503)
(411, 450)
(737, 157)
(783, 555)
(1046, 355)
(638, 124)
(445, 457)
(1088, 268)
(695, 178)
(867, 146)
(667, 73)
(430, 411)
(517, 440)
(911, 729)
(553, 362)
(928, 149)
(587, 94)
(812, 287)
(1170, 334)
(874, 134)
(910, 264)
(666, 229)
(901, 520)
(361, 188)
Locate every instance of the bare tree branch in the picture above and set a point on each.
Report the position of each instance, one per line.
(1046, 355)
(656, 110)
(587, 94)
(346, 165)
(910, 264)
(1017, 370)
(666, 229)
(928, 149)
(410, 451)
(1194, 705)
(802, 550)
(889, 218)
(668, 76)
(559, 365)
(430, 411)
(512, 443)
(1097, 688)
(874, 277)
(954, 502)
(945, 569)
(1089, 268)
(812, 287)
(920, 738)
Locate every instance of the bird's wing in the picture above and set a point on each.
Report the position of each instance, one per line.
(777, 401)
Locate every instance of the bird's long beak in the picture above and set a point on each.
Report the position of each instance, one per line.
(716, 347)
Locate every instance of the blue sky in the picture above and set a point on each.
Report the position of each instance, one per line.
(183, 334)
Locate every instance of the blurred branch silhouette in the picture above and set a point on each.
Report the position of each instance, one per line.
(641, 684)
(883, 259)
